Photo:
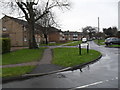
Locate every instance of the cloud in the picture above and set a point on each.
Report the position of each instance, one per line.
(85, 13)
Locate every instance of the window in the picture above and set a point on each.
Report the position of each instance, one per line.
(25, 39)
(75, 35)
(4, 29)
(61, 33)
(24, 28)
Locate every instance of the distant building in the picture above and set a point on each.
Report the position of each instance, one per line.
(72, 35)
(55, 35)
(119, 16)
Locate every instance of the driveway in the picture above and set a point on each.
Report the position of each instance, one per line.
(102, 74)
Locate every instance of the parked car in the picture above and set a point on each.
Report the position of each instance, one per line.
(84, 40)
(112, 40)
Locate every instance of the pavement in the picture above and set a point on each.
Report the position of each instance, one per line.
(21, 64)
(17, 48)
(45, 66)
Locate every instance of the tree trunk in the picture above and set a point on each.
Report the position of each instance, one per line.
(32, 41)
(46, 40)
(90, 35)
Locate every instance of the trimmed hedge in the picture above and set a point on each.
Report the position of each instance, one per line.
(5, 45)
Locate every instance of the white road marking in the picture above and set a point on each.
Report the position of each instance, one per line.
(96, 83)
(90, 84)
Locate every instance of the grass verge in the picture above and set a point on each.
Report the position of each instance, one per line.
(16, 71)
(55, 44)
(101, 42)
(114, 46)
(51, 44)
(67, 57)
(22, 56)
(74, 43)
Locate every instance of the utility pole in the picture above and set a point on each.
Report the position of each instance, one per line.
(98, 29)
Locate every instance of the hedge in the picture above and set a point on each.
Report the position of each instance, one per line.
(5, 45)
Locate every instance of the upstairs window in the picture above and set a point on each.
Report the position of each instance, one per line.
(4, 29)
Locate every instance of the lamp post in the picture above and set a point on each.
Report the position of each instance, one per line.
(98, 29)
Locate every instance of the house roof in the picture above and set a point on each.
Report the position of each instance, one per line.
(23, 22)
(53, 29)
(72, 32)
(38, 28)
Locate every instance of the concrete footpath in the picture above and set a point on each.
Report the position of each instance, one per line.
(45, 65)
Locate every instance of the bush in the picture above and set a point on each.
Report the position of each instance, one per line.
(5, 45)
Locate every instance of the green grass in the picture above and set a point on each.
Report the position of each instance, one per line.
(51, 44)
(101, 42)
(74, 43)
(114, 46)
(70, 56)
(55, 44)
(16, 71)
(22, 56)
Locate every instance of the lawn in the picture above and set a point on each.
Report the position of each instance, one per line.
(51, 44)
(22, 56)
(75, 43)
(70, 56)
(114, 46)
(55, 44)
(101, 42)
(16, 71)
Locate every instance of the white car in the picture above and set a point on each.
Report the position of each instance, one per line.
(84, 40)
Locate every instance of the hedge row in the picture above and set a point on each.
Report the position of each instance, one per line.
(5, 45)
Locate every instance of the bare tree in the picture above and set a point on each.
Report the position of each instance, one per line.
(31, 8)
(88, 30)
(47, 22)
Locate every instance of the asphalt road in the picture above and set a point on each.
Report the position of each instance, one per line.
(101, 74)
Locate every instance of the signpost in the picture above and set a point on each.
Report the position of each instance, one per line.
(79, 49)
(83, 44)
(88, 48)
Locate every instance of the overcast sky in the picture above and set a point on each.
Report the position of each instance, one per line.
(86, 12)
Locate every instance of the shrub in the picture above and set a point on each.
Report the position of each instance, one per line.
(5, 45)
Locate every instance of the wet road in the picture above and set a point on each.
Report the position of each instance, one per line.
(102, 74)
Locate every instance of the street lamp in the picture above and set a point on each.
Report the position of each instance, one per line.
(98, 29)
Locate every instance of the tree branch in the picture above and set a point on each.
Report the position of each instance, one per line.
(21, 7)
(44, 13)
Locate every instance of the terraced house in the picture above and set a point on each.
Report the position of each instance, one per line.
(17, 31)
(72, 35)
(56, 35)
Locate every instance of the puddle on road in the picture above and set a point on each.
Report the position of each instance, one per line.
(59, 75)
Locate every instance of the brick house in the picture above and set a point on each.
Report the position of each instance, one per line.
(17, 31)
(55, 35)
(72, 35)
(0, 27)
